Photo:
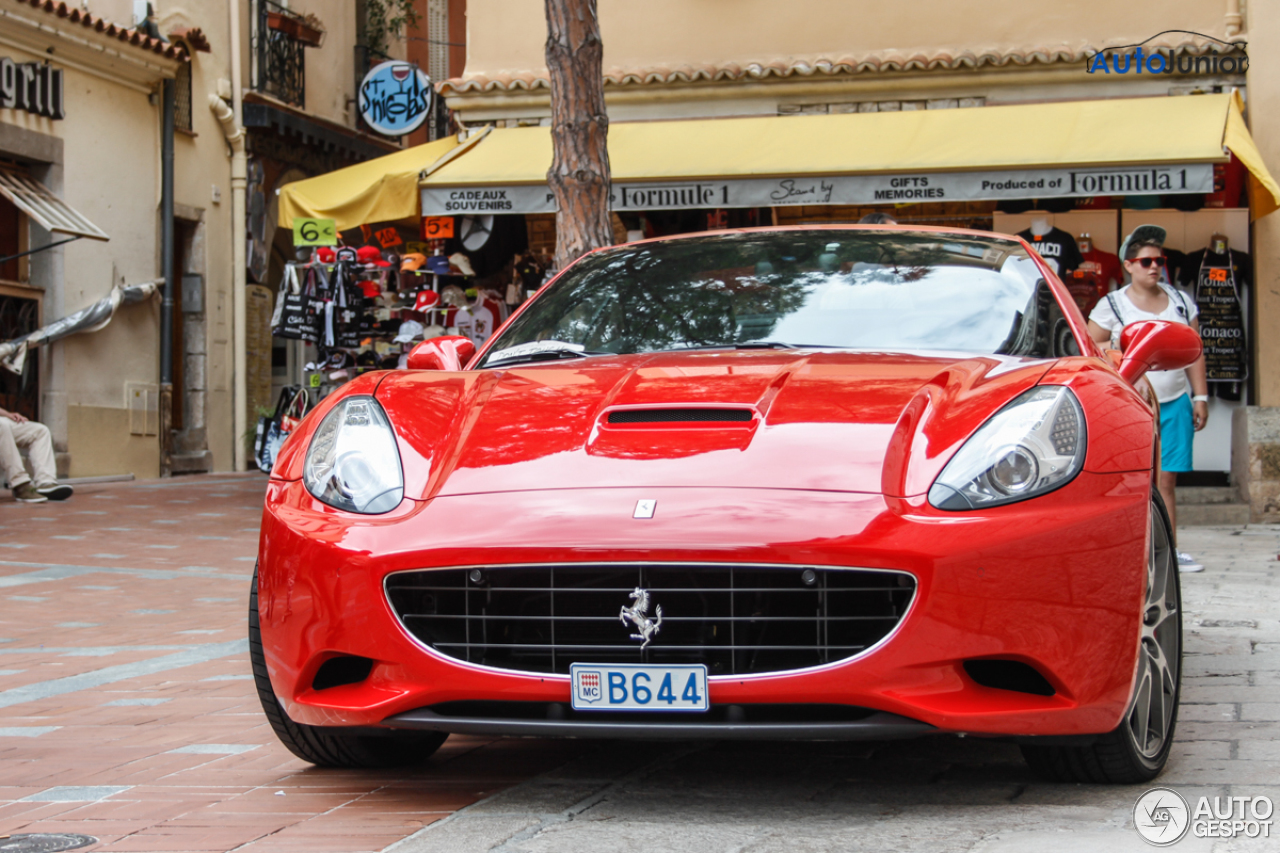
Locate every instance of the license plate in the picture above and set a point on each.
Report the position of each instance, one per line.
(639, 687)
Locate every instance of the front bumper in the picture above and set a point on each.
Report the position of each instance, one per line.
(1055, 582)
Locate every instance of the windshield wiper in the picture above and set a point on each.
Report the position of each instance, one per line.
(762, 344)
(539, 351)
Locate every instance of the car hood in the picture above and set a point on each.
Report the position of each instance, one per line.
(829, 420)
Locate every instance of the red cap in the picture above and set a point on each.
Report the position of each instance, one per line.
(426, 300)
(371, 289)
(326, 255)
(365, 254)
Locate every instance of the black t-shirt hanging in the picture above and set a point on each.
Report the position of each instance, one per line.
(1057, 247)
(1217, 281)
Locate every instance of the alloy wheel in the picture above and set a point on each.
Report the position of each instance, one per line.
(1150, 718)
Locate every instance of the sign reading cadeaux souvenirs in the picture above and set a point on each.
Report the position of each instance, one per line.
(848, 189)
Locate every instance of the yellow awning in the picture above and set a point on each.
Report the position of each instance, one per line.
(999, 145)
(381, 190)
(1264, 192)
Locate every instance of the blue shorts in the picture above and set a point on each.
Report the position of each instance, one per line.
(1176, 434)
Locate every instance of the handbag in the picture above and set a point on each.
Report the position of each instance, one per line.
(273, 429)
(296, 316)
(342, 311)
(296, 411)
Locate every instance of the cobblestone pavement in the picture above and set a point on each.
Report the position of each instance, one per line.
(127, 711)
(127, 714)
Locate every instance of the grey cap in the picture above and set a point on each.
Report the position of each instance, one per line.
(1142, 234)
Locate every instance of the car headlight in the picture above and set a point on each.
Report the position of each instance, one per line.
(1032, 446)
(353, 463)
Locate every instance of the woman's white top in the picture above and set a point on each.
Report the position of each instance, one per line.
(1168, 384)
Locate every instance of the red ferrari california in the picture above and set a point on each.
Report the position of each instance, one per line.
(813, 483)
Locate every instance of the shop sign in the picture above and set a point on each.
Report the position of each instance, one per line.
(33, 87)
(395, 98)
(845, 190)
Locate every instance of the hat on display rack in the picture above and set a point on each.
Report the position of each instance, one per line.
(412, 262)
(427, 299)
(462, 263)
(410, 330)
(368, 254)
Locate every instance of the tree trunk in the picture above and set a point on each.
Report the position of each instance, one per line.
(579, 174)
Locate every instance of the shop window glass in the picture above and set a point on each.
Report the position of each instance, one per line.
(21, 394)
(10, 238)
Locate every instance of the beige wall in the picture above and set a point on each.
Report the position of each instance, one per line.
(509, 35)
(1264, 119)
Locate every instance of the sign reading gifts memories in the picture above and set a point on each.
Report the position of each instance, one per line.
(848, 189)
(33, 87)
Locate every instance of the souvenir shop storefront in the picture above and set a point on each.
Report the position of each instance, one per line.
(1057, 174)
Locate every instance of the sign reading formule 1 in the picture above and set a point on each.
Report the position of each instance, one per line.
(395, 98)
(839, 189)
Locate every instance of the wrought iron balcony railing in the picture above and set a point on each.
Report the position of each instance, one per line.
(280, 67)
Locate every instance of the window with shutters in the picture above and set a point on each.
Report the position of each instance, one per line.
(438, 33)
(182, 98)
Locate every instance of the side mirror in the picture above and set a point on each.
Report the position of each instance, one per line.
(1157, 345)
(447, 353)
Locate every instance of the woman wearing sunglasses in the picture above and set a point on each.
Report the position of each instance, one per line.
(1148, 297)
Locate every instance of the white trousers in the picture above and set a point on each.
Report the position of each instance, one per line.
(35, 438)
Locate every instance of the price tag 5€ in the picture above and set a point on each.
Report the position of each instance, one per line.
(314, 232)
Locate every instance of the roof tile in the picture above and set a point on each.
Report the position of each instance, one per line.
(874, 62)
(124, 34)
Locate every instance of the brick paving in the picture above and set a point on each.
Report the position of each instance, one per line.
(127, 711)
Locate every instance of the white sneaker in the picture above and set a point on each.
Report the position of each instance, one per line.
(1187, 563)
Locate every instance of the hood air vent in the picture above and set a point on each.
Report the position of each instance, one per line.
(660, 416)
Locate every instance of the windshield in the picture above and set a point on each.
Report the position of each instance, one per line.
(866, 290)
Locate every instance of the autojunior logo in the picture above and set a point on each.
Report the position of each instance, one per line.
(1163, 817)
(1222, 57)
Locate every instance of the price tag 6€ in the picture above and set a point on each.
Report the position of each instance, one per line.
(314, 232)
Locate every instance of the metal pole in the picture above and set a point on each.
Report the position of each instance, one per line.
(166, 270)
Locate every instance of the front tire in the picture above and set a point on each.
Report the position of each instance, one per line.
(330, 747)
(1137, 750)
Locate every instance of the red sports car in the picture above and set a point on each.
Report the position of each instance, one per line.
(812, 483)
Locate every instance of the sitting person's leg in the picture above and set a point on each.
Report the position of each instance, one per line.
(35, 437)
(11, 464)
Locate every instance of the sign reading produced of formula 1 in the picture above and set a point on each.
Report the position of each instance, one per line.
(839, 189)
(395, 98)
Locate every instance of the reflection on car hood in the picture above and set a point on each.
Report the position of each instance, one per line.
(825, 420)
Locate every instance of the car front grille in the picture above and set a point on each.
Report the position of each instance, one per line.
(735, 619)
